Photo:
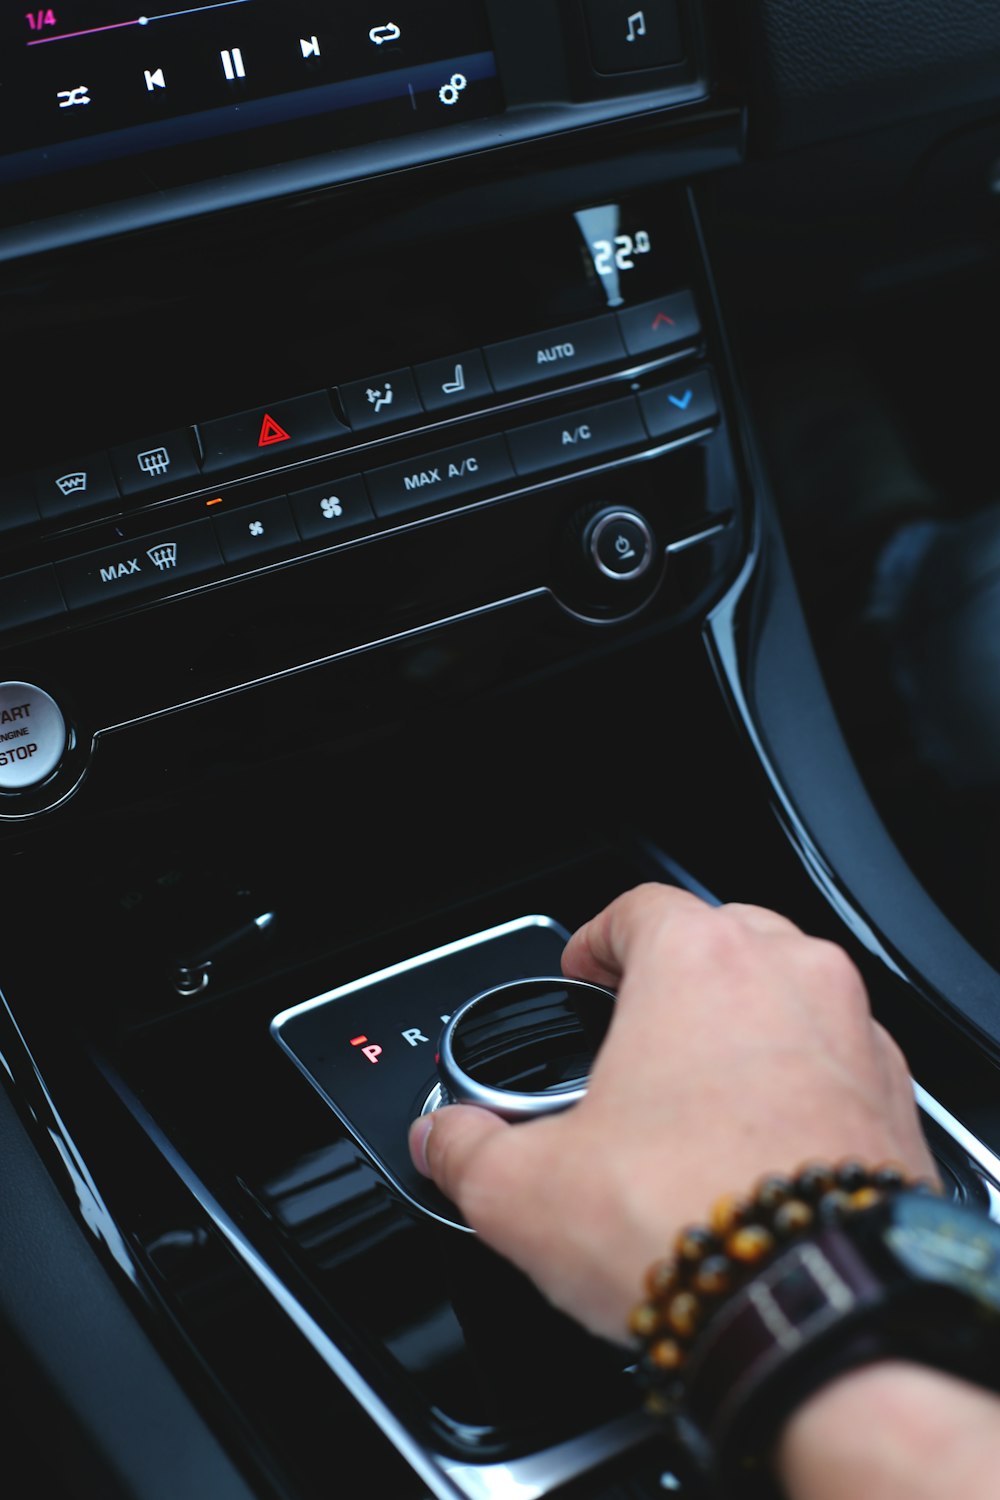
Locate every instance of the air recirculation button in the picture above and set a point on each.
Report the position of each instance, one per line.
(33, 736)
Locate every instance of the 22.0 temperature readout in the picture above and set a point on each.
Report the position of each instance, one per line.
(620, 253)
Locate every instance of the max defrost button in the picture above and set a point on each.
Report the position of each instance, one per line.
(135, 567)
(32, 736)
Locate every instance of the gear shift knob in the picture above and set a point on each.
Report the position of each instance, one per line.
(524, 1048)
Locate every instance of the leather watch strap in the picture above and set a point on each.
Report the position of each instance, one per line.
(806, 1317)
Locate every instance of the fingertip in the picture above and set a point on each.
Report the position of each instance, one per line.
(419, 1131)
(445, 1146)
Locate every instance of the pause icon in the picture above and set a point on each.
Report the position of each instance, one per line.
(232, 64)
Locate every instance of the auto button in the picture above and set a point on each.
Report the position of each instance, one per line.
(558, 353)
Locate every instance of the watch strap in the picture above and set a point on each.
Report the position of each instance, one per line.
(805, 1318)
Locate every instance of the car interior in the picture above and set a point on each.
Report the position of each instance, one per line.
(462, 459)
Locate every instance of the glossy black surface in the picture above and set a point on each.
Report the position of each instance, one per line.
(386, 729)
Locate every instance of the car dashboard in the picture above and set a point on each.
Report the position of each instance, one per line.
(399, 562)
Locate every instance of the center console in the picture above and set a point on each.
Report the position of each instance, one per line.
(389, 579)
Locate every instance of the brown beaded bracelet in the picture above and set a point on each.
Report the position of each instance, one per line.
(712, 1261)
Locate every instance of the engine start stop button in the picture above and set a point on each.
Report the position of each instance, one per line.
(32, 736)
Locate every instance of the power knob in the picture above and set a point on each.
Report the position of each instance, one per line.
(609, 563)
(618, 543)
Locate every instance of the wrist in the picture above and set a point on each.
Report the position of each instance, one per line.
(892, 1431)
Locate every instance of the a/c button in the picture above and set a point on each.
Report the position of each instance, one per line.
(575, 438)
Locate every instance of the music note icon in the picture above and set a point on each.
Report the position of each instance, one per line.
(636, 25)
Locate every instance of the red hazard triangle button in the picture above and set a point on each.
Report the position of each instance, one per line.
(272, 432)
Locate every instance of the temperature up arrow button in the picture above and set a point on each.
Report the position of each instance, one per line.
(663, 324)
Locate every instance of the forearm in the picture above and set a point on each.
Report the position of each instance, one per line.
(893, 1431)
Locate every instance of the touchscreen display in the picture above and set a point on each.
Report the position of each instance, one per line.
(83, 81)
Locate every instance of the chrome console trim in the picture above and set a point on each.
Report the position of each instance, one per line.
(985, 1161)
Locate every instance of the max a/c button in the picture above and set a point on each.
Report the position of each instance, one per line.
(439, 476)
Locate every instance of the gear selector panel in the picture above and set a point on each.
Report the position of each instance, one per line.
(370, 1047)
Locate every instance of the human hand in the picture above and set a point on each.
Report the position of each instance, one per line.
(738, 1047)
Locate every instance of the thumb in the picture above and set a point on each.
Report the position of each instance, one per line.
(448, 1147)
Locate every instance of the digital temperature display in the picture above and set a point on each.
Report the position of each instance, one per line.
(620, 253)
(617, 247)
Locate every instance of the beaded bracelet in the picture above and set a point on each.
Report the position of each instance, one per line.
(712, 1261)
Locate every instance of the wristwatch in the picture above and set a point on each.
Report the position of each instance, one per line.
(916, 1277)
